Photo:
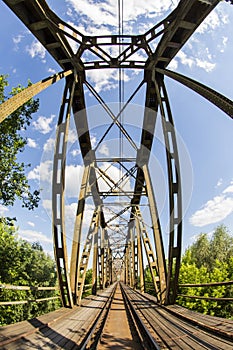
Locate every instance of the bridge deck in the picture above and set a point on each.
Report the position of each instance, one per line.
(174, 327)
(218, 325)
(61, 329)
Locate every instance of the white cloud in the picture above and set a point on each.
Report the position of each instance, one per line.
(207, 66)
(105, 13)
(31, 224)
(34, 236)
(190, 61)
(75, 152)
(224, 40)
(32, 143)
(72, 137)
(70, 214)
(229, 189)
(73, 177)
(184, 59)
(223, 44)
(47, 205)
(107, 81)
(219, 183)
(51, 70)
(115, 175)
(17, 39)
(213, 211)
(36, 49)
(173, 65)
(42, 172)
(3, 210)
(49, 145)
(93, 140)
(104, 150)
(43, 124)
(214, 20)
(73, 180)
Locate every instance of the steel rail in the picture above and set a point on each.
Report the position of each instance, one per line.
(98, 322)
(148, 341)
(188, 319)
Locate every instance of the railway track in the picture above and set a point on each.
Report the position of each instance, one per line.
(120, 327)
(133, 321)
(171, 331)
(119, 318)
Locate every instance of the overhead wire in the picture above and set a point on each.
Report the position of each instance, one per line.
(121, 85)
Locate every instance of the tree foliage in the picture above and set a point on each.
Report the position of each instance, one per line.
(24, 264)
(14, 183)
(207, 261)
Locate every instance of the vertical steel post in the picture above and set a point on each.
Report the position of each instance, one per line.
(140, 257)
(175, 195)
(58, 194)
(75, 254)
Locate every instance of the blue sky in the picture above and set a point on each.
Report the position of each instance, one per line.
(204, 132)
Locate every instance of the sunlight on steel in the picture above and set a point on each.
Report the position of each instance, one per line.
(118, 240)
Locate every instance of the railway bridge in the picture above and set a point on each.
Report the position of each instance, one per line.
(124, 233)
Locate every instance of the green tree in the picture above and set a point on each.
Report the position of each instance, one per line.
(221, 245)
(24, 264)
(205, 261)
(14, 183)
(200, 251)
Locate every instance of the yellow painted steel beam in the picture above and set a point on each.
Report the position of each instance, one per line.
(221, 101)
(16, 101)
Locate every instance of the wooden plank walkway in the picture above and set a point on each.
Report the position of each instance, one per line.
(173, 327)
(61, 329)
(218, 325)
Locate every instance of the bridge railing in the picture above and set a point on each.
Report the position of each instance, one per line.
(34, 298)
(35, 289)
(203, 285)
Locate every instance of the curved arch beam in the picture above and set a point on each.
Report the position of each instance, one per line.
(221, 101)
(58, 194)
(175, 195)
(13, 103)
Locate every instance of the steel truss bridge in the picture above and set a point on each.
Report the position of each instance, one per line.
(119, 237)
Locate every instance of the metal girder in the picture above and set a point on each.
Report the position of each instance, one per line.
(95, 263)
(58, 201)
(147, 137)
(175, 193)
(81, 123)
(161, 263)
(16, 101)
(54, 34)
(83, 262)
(221, 101)
(151, 259)
(43, 23)
(140, 257)
(112, 116)
(181, 24)
(75, 254)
